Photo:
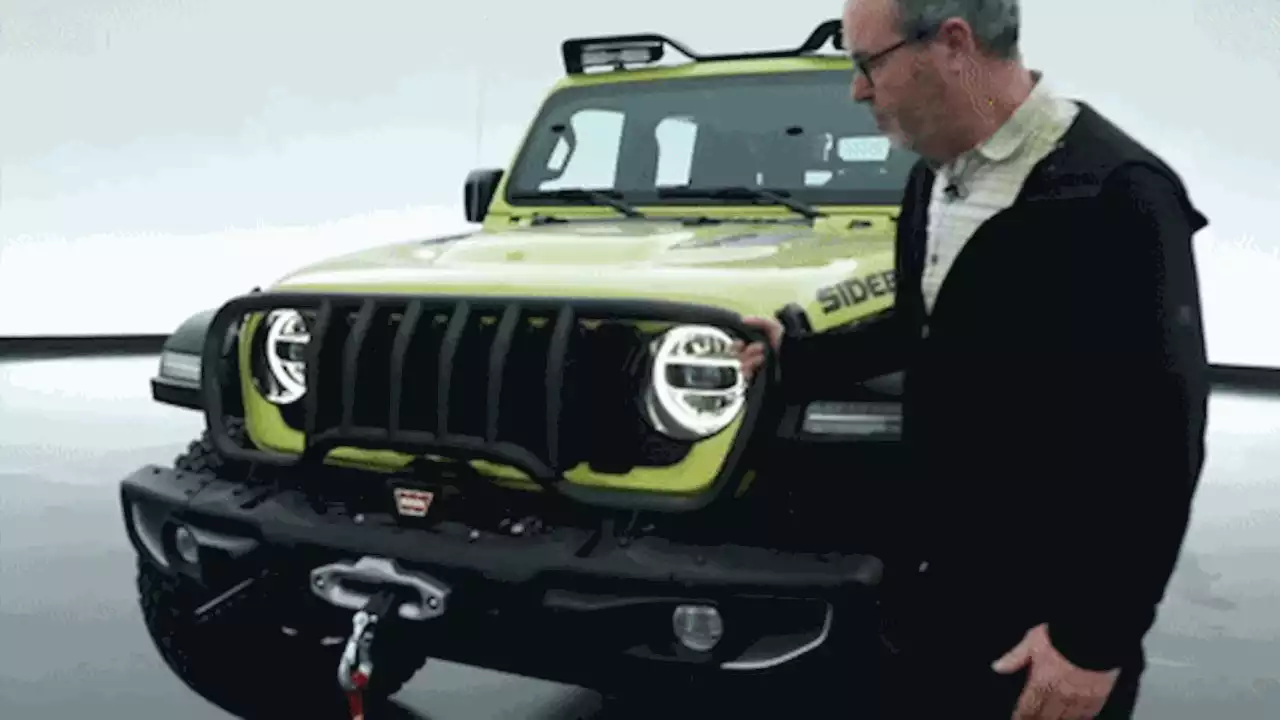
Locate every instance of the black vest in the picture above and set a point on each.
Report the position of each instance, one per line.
(985, 371)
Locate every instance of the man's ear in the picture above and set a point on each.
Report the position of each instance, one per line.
(955, 38)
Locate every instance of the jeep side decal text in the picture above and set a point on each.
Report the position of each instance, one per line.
(855, 291)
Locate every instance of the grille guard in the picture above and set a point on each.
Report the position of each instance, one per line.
(543, 468)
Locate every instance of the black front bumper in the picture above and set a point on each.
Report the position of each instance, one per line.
(285, 518)
(612, 599)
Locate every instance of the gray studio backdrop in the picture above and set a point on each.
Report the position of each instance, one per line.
(158, 155)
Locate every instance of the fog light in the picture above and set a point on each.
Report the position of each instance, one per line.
(184, 541)
(698, 627)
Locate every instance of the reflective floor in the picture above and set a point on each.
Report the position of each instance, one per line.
(72, 644)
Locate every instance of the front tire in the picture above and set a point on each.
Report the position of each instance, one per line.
(243, 661)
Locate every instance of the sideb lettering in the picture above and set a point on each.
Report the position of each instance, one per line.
(856, 291)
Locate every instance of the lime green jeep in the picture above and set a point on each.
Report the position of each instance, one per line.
(529, 447)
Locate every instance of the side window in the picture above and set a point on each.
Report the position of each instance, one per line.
(590, 161)
(675, 137)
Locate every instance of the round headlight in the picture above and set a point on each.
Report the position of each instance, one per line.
(285, 354)
(696, 388)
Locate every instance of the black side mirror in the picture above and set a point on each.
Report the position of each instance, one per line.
(478, 192)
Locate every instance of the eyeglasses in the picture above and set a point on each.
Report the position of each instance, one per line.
(865, 63)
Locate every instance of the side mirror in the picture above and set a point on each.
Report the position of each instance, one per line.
(478, 192)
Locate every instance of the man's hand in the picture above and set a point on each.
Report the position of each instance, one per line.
(1056, 689)
(752, 356)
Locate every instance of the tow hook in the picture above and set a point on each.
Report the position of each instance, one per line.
(379, 592)
(355, 668)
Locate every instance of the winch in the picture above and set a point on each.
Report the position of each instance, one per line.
(397, 595)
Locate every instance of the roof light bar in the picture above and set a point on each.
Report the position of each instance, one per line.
(619, 51)
(616, 52)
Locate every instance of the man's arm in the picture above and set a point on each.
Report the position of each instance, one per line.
(812, 364)
(1138, 424)
(826, 366)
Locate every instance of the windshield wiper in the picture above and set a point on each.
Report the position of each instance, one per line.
(612, 198)
(777, 197)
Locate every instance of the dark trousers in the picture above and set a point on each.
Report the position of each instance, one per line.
(942, 682)
(936, 660)
(929, 688)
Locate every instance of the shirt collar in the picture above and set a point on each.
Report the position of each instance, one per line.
(1021, 125)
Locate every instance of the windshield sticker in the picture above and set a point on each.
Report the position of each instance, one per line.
(864, 148)
(856, 291)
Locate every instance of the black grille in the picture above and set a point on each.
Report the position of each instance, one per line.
(535, 383)
(499, 360)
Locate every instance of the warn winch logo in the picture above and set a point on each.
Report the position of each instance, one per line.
(413, 503)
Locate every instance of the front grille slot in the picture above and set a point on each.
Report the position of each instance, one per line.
(418, 337)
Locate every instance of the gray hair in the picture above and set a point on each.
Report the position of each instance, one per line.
(995, 23)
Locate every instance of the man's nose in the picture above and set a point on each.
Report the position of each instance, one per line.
(862, 90)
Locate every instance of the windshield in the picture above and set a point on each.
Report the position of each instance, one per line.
(798, 133)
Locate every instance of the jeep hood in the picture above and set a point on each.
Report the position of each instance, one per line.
(745, 268)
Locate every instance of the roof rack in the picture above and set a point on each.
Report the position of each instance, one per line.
(620, 51)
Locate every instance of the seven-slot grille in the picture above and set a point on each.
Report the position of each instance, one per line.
(538, 387)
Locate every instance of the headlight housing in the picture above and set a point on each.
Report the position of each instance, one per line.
(280, 359)
(696, 388)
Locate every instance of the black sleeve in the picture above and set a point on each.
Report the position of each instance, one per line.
(830, 365)
(1138, 422)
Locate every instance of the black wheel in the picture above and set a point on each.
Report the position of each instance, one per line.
(202, 455)
(244, 660)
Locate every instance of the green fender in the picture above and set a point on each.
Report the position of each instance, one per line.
(189, 337)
